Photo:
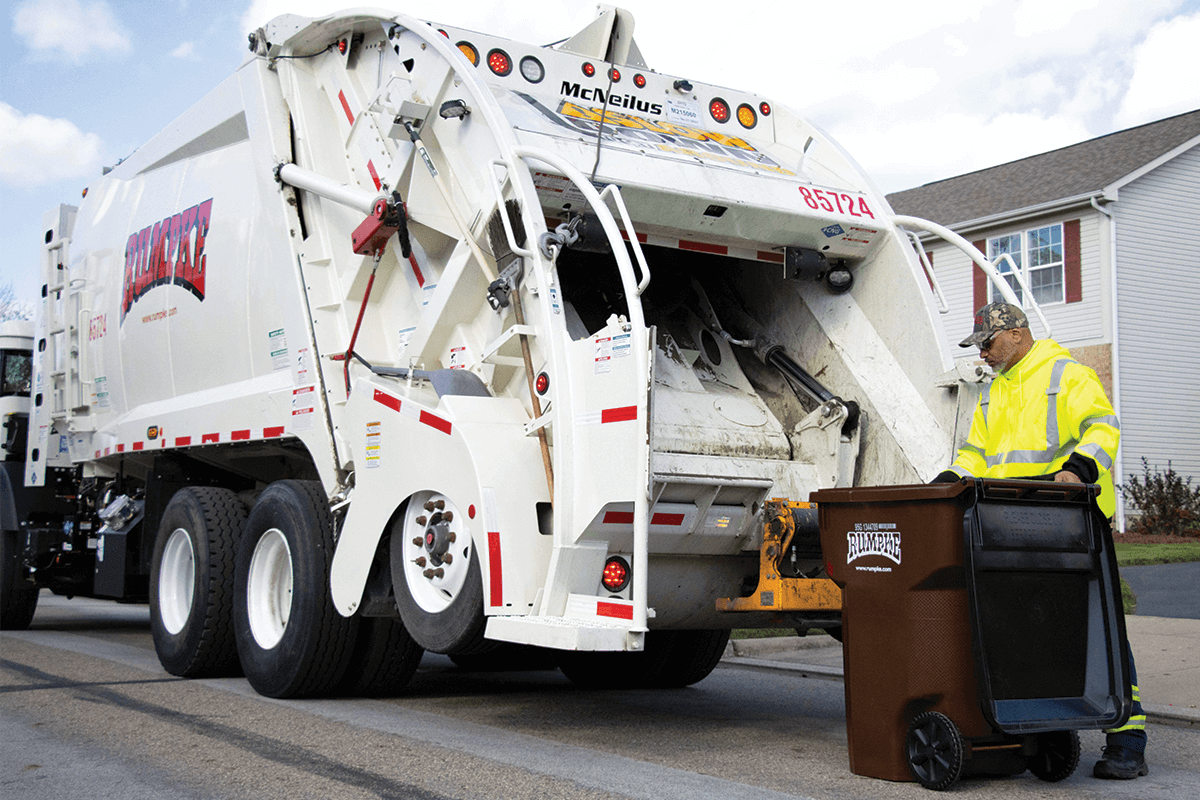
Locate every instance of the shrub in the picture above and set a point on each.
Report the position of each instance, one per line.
(1168, 504)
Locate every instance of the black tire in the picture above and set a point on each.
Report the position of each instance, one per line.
(1057, 755)
(290, 643)
(934, 750)
(672, 659)
(692, 655)
(451, 622)
(18, 596)
(507, 657)
(383, 660)
(192, 622)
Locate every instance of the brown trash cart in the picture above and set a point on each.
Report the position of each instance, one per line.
(982, 626)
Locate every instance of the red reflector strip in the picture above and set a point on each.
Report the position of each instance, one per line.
(618, 414)
(641, 237)
(386, 399)
(765, 255)
(346, 107)
(374, 176)
(703, 247)
(240, 436)
(138, 445)
(183, 441)
(120, 448)
(271, 433)
(618, 518)
(495, 570)
(617, 610)
(666, 519)
(210, 438)
(434, 421)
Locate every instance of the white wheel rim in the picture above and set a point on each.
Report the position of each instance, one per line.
(269, 588)
(176, 581)
(434, 593)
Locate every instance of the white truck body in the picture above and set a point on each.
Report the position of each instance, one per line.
(197, 299)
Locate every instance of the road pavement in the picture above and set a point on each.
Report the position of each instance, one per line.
(86, 712)
(1166, 590)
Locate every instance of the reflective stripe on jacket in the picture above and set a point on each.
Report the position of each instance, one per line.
(1032, 417)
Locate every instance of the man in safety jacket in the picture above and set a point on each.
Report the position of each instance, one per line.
(1044, 415)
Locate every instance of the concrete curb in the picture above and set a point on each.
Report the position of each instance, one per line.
(749, 648)
(1171, 715)
(740, 654)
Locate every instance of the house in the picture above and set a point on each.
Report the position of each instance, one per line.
(1107, 234)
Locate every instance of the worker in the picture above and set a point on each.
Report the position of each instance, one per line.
(1071, 434)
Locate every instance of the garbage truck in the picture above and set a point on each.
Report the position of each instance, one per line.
(408, 337)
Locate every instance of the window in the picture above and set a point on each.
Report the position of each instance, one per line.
(1038, 255)
(16, 369)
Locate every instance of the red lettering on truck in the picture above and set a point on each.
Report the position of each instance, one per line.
(171, 251)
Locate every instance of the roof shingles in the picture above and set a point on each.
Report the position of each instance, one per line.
(1071, 171)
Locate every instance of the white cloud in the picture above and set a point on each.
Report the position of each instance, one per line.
(186, 51)
(39, 150)
(1165, 70)
(70, 29)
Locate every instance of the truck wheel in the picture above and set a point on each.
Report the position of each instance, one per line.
(626, 670)
(290, 638)
(691, 656)
(384, 659)
(18, 597)
(435, 569)
(934, 748)
(191, 583)
(1057, 755)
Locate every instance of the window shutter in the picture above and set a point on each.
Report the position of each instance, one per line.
(981, 279)
(1072, 266)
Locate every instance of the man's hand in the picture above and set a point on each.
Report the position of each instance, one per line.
(1066, 476)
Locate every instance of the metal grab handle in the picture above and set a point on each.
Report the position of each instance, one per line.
(612, 191)
(943, 306)
(979, 259)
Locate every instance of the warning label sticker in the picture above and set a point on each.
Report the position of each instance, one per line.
(277, 342)
(374, 447)
(304, 400)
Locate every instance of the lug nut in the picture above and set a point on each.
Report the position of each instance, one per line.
(447, 559)
(418, 541)
(419, 561)
(440, 504)
(450, 537)
(448, 516)
(430, 505)
(434, 573)
(421, 520)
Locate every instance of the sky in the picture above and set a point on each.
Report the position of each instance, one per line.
(916, 91)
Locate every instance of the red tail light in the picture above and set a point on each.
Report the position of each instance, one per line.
(616, 574)
(719, 110)
(499, 62)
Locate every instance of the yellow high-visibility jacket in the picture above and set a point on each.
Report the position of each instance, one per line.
(1036, 415)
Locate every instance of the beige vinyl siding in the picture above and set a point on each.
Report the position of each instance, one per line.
(1158, 278)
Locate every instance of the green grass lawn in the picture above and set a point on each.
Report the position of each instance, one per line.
(1133, 555)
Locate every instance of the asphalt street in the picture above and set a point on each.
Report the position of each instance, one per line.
(86, 712)
(1166, 590)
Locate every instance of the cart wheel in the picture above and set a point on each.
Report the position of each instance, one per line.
(1057, 755)
(935, 750)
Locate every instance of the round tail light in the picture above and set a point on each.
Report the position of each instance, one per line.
(746, 116)
(616, 574)
(719, 110)
(499, 62)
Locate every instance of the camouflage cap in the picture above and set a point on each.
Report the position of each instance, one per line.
(993, 318)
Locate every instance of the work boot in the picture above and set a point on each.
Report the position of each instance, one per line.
(1121, 763)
